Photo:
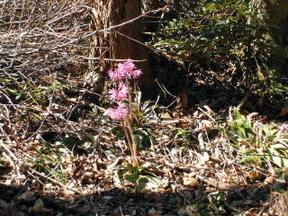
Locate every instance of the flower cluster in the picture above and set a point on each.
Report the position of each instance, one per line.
(124, 72)
(117, 113)
(120, 93)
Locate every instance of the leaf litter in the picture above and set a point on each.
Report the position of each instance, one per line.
(198, 170)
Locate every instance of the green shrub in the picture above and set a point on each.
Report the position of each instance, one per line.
(224, 42)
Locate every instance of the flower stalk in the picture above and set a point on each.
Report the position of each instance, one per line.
(122, 95)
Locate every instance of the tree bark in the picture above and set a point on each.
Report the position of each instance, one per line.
(126, 40)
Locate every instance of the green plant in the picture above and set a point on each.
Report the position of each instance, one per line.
(258, 143)
(143, 138)
(227, 42)
(241, 125)
(216, 202)
(21, 90)
(137, 176)
(48, 160)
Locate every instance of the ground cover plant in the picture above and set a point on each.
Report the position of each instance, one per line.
(214, 140)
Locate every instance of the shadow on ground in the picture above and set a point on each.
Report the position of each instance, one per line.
(172, 82)
(202, 200)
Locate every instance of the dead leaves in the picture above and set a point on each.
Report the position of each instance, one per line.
(280, 205)
(86, 171)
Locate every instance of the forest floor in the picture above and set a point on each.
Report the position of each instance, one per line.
(202, 160)
(206, 147)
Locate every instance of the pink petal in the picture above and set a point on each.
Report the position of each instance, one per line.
(136, 74)
(120, 93)
(117, 113)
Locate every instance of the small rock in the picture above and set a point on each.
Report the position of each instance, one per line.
(39, 206)
(190, 181)
(27, 196)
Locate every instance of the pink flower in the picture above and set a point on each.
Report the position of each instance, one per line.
(131, 70)
(126, 70)
(120, 93)
(129, 66)
(117, 113)
(135, 74)
(117, 75)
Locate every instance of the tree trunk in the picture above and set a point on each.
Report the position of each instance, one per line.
(126, 40)
(119, 43)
